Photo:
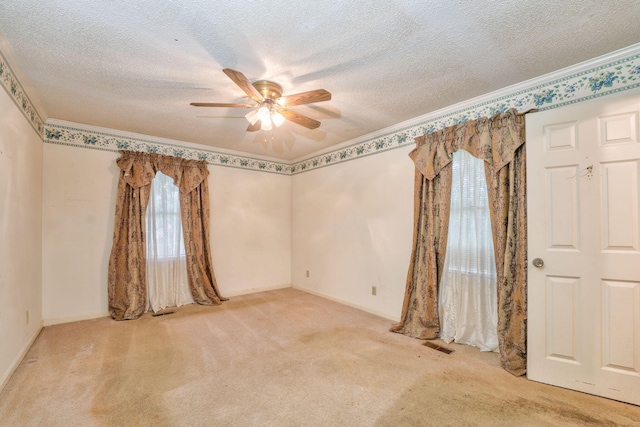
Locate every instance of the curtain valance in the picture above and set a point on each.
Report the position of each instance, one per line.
(492, 139)
(140, 168)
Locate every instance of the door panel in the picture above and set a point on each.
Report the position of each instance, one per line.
(562, 208)
(621, 307)
(562, 319)
(583, 202)
(620, 206)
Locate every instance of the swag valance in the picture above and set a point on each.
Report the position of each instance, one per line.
(499, 141)
(494, 140)
(139, 169)
(127, 265)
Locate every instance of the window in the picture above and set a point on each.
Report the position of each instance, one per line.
(167, 282)
(467, 298)
(470, 236)
(164, 226)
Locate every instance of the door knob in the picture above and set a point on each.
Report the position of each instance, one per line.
(538, 262)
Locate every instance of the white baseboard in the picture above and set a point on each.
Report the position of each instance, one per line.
(69, 319)
(349, 304)
(230, 294)
(16, 362)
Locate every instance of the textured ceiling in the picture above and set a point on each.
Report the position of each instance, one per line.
(136, 65)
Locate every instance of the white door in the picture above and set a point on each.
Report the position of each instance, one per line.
(583, 173)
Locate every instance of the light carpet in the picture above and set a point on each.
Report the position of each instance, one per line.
(277, 358)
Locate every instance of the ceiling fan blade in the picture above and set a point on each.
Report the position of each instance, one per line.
(254, 127)
(217, 104)
(244, 83)
(299, 119)
(310, 97)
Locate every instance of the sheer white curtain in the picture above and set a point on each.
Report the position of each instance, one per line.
(467, 297)
(167, 283)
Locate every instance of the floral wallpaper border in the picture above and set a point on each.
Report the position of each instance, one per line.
(614, 77)
(75, 136)
(15, 90)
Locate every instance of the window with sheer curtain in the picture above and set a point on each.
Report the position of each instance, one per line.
(467, 296)
(167, 283)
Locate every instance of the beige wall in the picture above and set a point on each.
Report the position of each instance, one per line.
(250, 230)
(352, 229)
(78, 209)
(20, 235)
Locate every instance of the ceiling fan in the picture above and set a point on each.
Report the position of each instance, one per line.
(270, 108)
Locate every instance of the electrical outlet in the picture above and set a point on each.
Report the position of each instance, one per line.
(374, 290)
(307, 273)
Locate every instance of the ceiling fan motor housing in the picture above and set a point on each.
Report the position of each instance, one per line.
(269, 90)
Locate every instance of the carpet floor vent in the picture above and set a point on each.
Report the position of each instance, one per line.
(437, 347)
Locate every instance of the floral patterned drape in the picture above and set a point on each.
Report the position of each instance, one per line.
(499, 141)
(127, 287)
(432, 198)
(127, 264)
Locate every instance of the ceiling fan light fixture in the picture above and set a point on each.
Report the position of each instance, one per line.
(265, 124)
(264, 114)
(277, 118)
(252, 117)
